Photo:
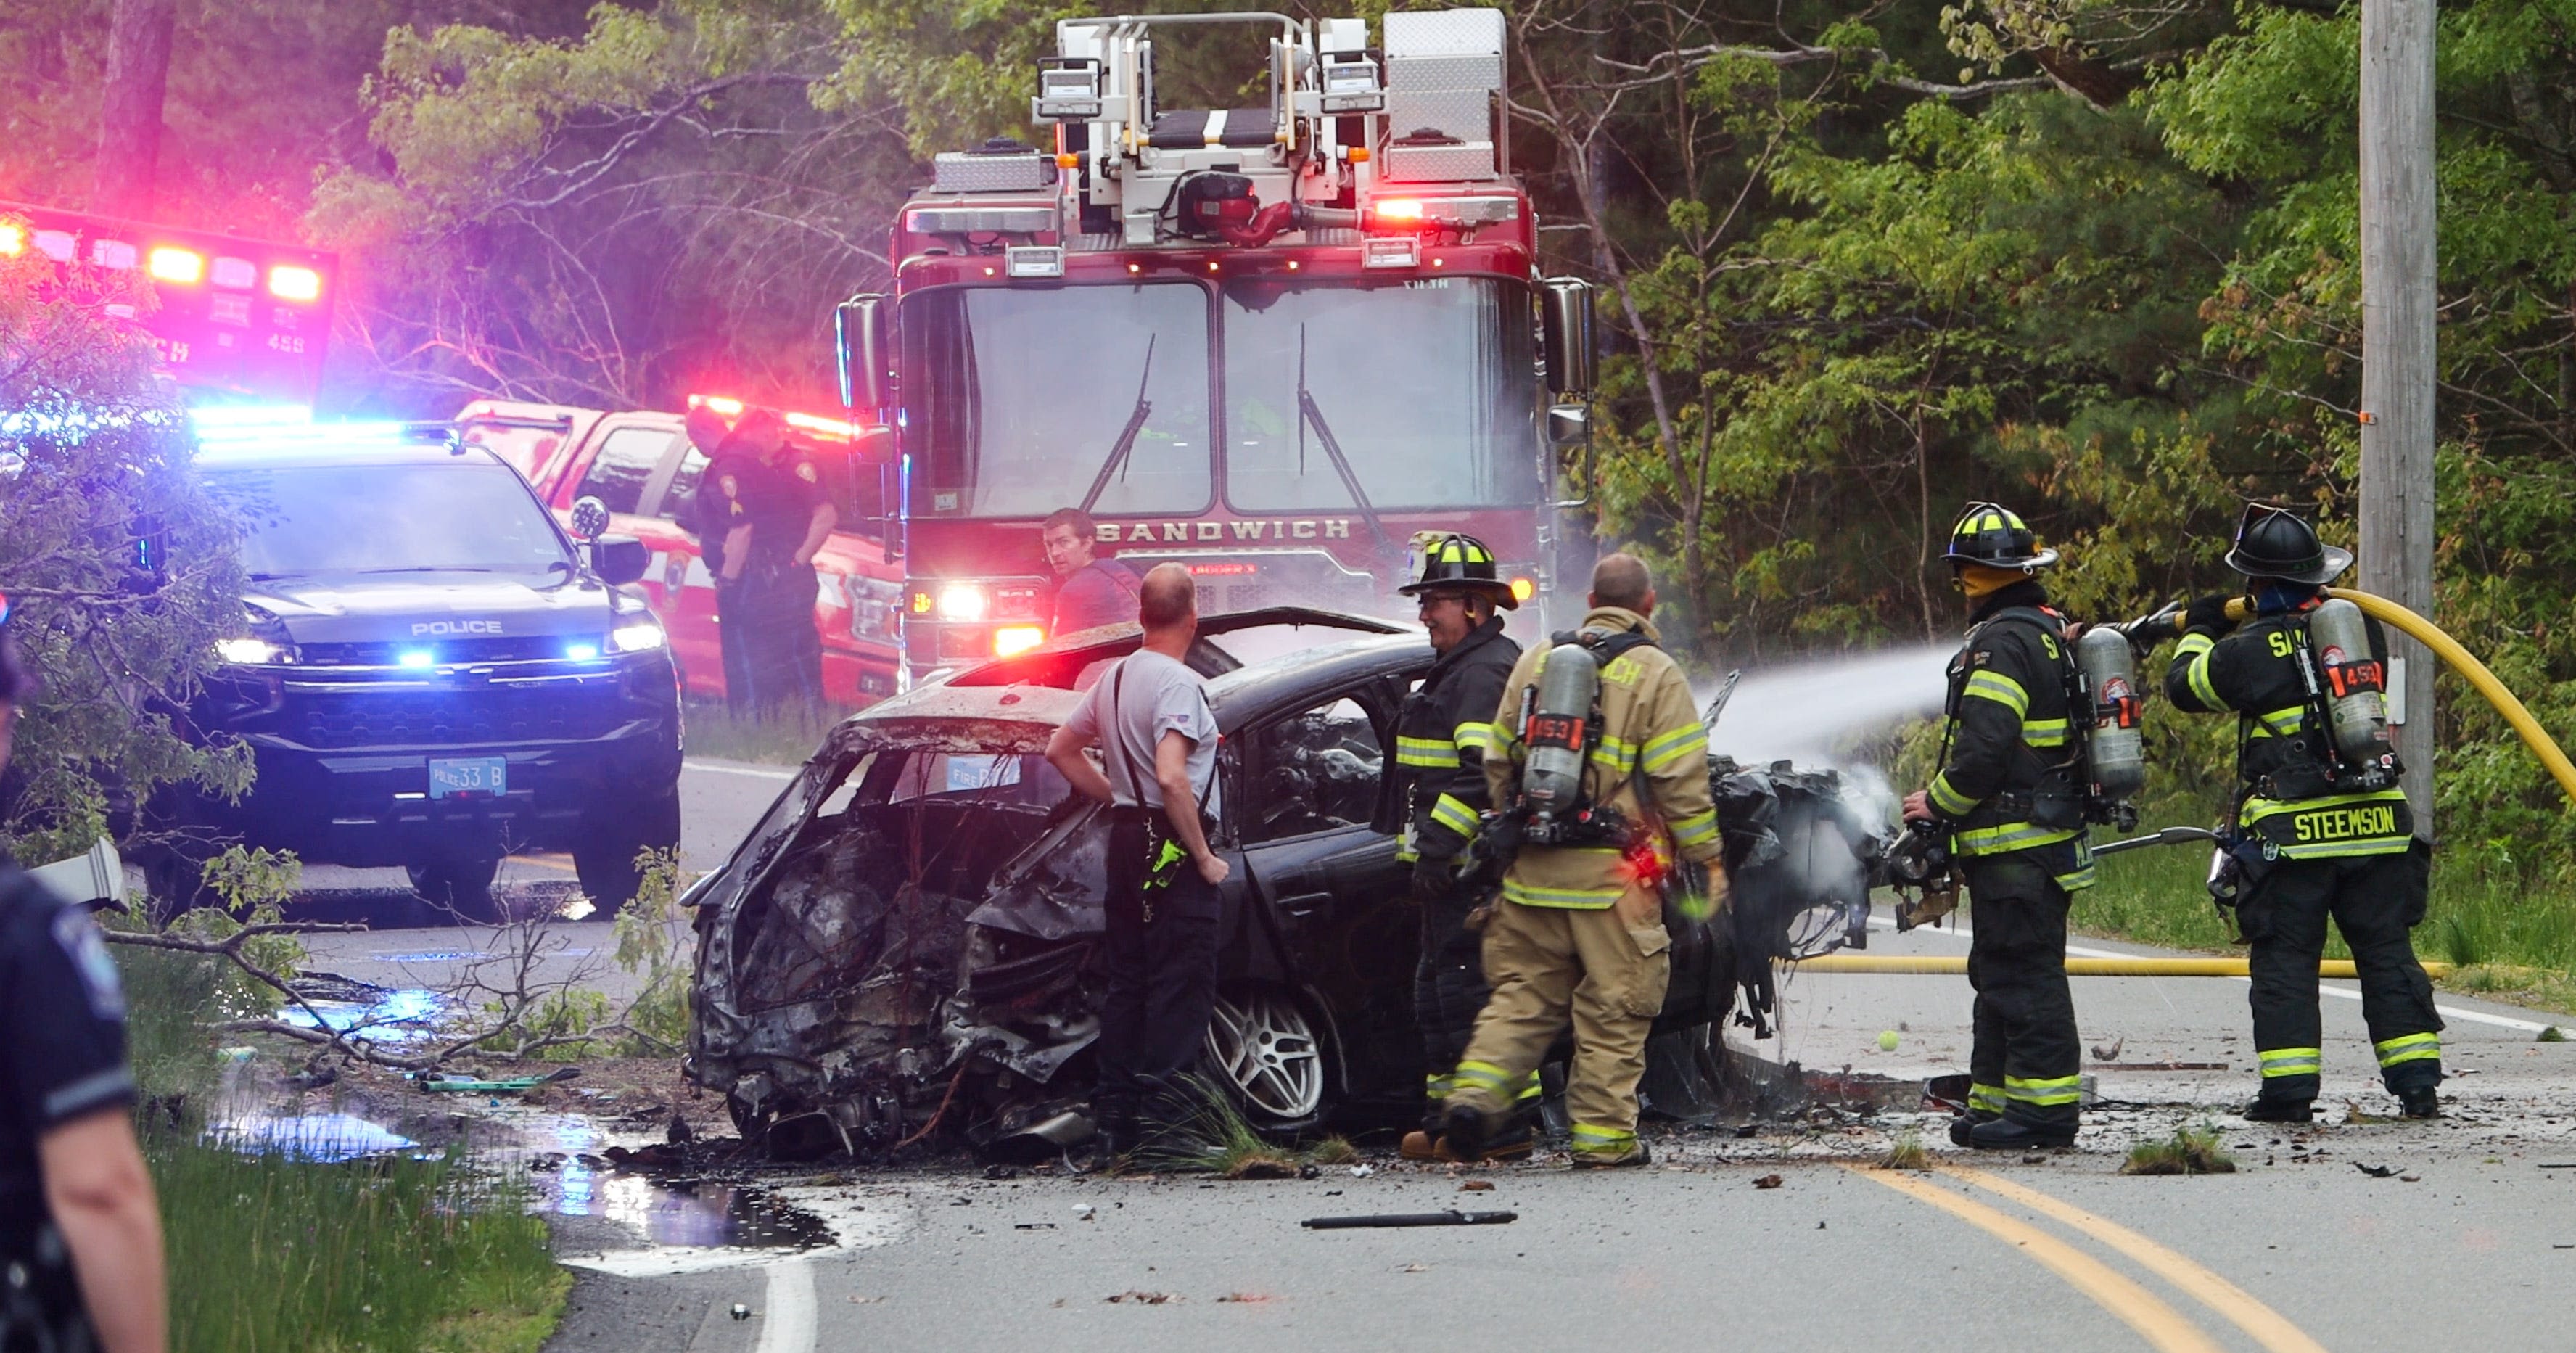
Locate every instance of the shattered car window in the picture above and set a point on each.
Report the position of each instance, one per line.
(1311, 772)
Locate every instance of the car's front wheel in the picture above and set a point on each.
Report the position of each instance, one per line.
(1264, 1051)
(604, 856)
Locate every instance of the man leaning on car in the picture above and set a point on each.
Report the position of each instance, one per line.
(1149, 715)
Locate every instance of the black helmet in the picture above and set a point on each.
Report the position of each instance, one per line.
(1449, 560)
(2273, 542)
(1990, 534)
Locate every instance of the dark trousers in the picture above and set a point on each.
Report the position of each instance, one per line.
(1162, 984)
(767, 621)
(2026, 1062)
(736, 619)
(1449, 991)
(2374, 900)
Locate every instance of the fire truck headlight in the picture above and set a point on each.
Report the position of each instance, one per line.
(169, 263)
(287, 282)
(961, 601)
(635, 636)
(1010, 639)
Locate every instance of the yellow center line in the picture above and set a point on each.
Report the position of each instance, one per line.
(2267, 1326)
(2160, 1325)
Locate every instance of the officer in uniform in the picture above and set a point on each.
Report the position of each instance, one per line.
(1579, 932)
(2311, 844)
(2007, 797)
(80, 1237)
(768, 500)
(1440, 739)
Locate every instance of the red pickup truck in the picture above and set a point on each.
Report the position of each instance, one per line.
(643, 467)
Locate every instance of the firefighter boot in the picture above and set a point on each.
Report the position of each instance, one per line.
(1512, 1141)
(2421, 1102)
(2005, 1134)
(1420, 1144)
(1962, 1125)
(1464, 1130)
(2268, 1110)
(1589, 1160)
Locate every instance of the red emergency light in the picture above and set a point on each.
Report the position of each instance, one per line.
(729, 407)
(13, 239)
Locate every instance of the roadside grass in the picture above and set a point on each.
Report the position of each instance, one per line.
(2191, 1150)
(709, 729)
(1218, 1139)
(2504, 939)
(267, 1252)
(1906, 1153)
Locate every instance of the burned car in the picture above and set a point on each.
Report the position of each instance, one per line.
(907, 941)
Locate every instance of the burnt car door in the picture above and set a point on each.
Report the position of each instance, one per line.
(1327, 919)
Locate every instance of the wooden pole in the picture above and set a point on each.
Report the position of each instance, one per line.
(2397, 352)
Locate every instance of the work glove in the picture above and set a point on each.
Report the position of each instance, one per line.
(2208, 615)
(1432, 879)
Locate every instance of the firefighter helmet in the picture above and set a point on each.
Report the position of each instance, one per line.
(1449, 561)
(1990, 534)
(2273, 542)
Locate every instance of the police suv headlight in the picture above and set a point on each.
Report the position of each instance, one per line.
(635, 635)
(252, 652)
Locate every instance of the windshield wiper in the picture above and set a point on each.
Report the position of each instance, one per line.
(1127, 435)
(1309, 413)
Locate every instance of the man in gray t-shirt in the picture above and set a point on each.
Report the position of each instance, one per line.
(1149, 716)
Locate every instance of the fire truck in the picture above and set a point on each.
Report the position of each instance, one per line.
(1270, 343)
(236, 320)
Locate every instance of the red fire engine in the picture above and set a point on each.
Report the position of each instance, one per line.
(236, 319)
(1270, 343)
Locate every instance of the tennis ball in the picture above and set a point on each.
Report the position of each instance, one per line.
(1887, 1040)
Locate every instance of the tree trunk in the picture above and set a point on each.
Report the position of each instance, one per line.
(129, 124)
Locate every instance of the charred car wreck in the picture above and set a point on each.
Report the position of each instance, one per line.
(904, 945)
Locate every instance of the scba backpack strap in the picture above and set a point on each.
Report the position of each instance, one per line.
(2079, 703)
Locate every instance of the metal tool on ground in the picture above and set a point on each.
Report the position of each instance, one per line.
(1450, 1218)
(506, 1086)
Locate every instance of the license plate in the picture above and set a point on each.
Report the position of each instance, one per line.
(468, 776)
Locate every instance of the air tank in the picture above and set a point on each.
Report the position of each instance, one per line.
(1552, 777)
(2353, 681)
(2114, 745)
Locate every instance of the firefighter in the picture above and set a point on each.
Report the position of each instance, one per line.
(2007, 797)
(1579, 931)
(2310, 844)
(1440, 739)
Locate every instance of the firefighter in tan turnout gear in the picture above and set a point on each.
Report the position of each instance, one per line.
(1579, 930)
(1440, 740)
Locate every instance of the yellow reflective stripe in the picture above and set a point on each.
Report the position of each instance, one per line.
(1580, 899)
(1475, 733)
(1481, 1076)
(2337, 825)
(2009, 836)
(1679, 745)
(1989, 1098)
(1949, 802)
(1603, 1141)
(1615, 755)
(2080, 880)
(1424, 752)
(2051, 1090)
(1502, 736)
(2280, 723)
(1452, 812)
(1529, 1088)
(2291, 1061)
(2044, 732)
(2409, 1048)
(1438, 1085)
(1697, 829)
(2193, 653)
(2001, 689)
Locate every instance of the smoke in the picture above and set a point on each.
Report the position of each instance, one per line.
(1803, 712)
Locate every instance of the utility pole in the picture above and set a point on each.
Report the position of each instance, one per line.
(2397, 305)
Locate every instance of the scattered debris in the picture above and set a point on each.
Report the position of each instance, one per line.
(1362, 1171)
(2410, 1179)
(2374, 1171)
(2109, 1052)
(1413, 1268)
(1247, 1298)
(740, 1311)
(1000, 1172)
(1907, 1154)
(444, 1081)
(1477, 1186)
(1310, 1170)
(2353, 1115)
(1084, 1212)
(1034, 1226)
(2551, 1034)
(1143, 1298)
(1449, 1218)
(2191, 1150)
(1768, 1181)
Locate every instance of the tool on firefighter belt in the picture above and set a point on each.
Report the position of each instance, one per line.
(1920, 863)
(1449, 1218)
(2170, 836)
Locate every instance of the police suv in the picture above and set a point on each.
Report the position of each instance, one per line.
(430, 673)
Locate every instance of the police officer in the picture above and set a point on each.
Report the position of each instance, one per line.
(80, 1237)
(708, 516)
(1579, 932)
(1440, 739)
(2006, 795)
(2303, 851)
(775, 517)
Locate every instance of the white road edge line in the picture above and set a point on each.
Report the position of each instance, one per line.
(2348, 993)
(754, 771)
(787, 1317)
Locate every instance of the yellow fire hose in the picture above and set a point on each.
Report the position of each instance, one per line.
(2075, 967)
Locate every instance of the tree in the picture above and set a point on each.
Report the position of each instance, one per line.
(120, 572)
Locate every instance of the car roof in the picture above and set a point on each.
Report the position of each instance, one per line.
(308, 452)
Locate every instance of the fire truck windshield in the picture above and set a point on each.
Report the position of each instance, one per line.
(1023, 394)
(1428, 387)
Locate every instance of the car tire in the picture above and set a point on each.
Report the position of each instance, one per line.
(459, 886)
(604, 856)
(1267, 1053)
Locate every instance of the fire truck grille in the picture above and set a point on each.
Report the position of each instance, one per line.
(448, 718)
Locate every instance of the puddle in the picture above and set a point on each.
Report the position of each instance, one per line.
(325, 1137)
(392, 1016)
